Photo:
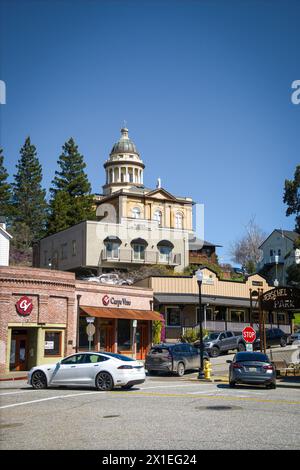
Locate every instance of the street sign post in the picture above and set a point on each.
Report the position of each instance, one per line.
(90, 330)
(249, 334)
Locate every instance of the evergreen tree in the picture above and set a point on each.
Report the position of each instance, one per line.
(5, 189)
(71, 199)
(291, 197)
(29, 199)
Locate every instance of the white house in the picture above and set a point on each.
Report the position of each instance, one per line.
(278, 254)
(5, 238)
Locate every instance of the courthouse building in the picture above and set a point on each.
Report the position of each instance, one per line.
(135, 225)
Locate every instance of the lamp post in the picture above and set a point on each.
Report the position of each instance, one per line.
(276, 283)
(199, 277)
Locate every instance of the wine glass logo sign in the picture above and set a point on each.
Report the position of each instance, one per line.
(24, 306)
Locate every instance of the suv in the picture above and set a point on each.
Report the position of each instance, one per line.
(224, 341)
(176, 358)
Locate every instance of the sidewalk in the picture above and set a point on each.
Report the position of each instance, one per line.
(13, 376)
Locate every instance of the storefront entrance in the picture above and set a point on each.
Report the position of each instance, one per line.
(142, 339)
(107, 337)
(19, 350)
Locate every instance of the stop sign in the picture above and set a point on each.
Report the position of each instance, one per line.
(249, 334)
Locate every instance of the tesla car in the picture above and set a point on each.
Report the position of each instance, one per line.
(104, 371)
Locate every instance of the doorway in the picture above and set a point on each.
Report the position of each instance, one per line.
(142, 340)
(107, 337)
(19, 350)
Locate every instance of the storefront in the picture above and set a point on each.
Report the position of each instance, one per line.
(122, 317)
(37, 317)
(226, 303)
(43, 317)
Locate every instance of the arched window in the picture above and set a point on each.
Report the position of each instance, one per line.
(178, 220)
(136, 213)
(158, 216)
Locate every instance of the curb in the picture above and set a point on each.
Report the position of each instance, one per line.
(13, 378)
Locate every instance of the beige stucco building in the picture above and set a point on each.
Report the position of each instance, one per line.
(135, 225)
(226, 303)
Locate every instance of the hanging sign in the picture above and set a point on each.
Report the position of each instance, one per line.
(281, 298)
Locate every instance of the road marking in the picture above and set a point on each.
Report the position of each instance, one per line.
(217, 397)
(50, 398)
(171, 386)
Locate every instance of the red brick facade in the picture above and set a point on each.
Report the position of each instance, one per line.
(53, 297)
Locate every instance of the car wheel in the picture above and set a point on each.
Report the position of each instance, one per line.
(271, 386)
(241, 347)
(282, 342)
(104, 382)
(215, 352)
(180, 369)
(39, 380)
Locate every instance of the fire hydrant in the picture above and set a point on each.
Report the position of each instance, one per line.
(207, 370)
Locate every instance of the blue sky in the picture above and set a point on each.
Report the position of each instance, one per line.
(205, 88)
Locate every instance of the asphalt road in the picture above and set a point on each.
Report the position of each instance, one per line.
(163, 413)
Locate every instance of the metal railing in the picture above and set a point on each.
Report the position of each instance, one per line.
(146, 257)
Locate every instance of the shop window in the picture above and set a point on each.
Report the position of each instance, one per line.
(52, 346)
(124, 335)
(173, 316)
(237, 316)
(280, 318)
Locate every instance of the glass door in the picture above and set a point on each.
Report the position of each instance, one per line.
(18, 352)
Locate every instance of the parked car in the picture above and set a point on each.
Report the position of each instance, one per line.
(294, 337)
(109, 278)
(274, 337)
(104, 371)
(253, 368)
(224, 341)
(176, 358)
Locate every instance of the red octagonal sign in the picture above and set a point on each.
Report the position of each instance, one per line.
(24, 306)
(249, 334)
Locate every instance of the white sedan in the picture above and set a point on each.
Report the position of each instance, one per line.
(104, 371)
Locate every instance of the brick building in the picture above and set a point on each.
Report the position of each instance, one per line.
(43, 317)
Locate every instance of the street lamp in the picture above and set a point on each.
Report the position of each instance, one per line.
(199, 277)
(276, 283)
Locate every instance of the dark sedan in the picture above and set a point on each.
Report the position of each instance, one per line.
(252, 368)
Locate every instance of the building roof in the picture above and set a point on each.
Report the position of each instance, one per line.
(290, 234)
(193, 299)
(124, 144)
(4, 232)
(197, 244)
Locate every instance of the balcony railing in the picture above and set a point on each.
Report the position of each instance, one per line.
(146, 257)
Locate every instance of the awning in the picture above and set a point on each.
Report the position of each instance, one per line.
(193, 299)
(125, 313)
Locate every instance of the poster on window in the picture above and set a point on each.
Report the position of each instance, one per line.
(49, 345)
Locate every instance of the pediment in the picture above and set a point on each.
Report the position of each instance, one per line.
(161, 194)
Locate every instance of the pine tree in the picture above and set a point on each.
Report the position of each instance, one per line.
(71, 199)
(291, 197)
(5, 189)
(29, 199)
